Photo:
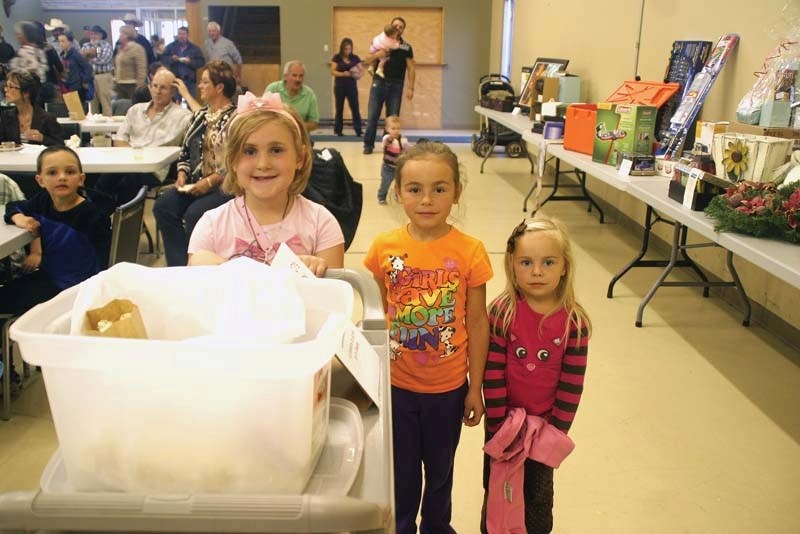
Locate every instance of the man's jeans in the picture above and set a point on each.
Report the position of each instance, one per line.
(382, 92)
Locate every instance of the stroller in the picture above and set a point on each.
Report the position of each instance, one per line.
(495, 92)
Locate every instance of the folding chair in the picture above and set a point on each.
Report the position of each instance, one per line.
(9, 191)
(126, 229)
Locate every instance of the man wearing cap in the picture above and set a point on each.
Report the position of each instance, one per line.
(100, 54)
(183, 58)
(131, 20)
(57, 28)
(222, 48)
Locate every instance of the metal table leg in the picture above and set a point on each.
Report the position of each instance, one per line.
(739, 288)
(679, 246)
(581, 176)
(648, 226)
(489, 152)
(673, 256)
(690, 262)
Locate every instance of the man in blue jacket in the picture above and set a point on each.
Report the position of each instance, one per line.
(183, 58)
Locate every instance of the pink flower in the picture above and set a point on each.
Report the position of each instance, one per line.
(735, 199)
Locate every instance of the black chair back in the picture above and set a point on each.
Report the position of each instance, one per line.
(126, 230)
(59, 109)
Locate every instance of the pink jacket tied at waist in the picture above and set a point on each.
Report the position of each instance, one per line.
(520, 437)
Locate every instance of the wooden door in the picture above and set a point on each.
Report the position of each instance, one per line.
(424, 31)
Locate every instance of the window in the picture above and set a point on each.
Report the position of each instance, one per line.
(164, 22)
(508, 38)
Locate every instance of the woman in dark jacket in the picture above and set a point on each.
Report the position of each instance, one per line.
(78, 73)
(26, 121)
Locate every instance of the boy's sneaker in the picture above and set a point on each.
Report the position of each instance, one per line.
(382, 201)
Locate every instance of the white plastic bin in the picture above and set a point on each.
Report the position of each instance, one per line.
(184, 416)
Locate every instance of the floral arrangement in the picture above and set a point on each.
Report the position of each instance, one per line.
(761, 209)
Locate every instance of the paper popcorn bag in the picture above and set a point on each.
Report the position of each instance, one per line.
(118, 318)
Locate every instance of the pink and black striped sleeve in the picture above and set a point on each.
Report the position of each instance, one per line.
(494, 377)
(570, 384)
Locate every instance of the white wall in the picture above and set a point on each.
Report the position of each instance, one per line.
(599, 38)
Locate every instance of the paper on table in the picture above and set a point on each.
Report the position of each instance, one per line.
(625, 168)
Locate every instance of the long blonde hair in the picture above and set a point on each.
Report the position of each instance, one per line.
(504, 307)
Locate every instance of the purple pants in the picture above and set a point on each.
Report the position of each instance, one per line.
(426, 429)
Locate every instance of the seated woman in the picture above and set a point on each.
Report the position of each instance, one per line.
(27, 122)
(201, 164)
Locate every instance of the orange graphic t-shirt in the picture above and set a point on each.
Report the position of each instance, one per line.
(426, 287)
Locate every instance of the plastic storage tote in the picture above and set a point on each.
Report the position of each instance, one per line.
(367, 508)
(217, 416)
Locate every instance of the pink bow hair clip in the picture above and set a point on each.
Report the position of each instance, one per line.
(249, 102)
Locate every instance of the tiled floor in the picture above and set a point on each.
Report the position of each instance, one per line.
(690, 424)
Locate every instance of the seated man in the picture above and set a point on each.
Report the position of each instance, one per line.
(294, 93)
(160, 122)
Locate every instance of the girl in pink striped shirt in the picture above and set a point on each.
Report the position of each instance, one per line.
(539, 336)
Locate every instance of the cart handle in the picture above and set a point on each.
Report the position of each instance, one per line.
(493, 75)
(373, 317)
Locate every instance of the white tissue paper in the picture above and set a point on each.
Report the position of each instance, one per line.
(73, 142)
(241, 300)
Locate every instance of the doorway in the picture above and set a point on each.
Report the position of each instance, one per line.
(424, 31)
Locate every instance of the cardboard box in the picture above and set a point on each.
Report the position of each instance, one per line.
(700, 201)
(666, 167)
(705, 131)
(785, 133)
(706, 187)
(544, 90)
(641, 164)
(623, 128)
(775, 113)
(569, 88)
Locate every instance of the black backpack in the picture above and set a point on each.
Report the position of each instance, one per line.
(332, 186)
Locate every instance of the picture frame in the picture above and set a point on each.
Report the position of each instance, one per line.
(542, 67)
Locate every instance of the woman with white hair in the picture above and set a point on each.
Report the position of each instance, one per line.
(30, 58)
(130, 65)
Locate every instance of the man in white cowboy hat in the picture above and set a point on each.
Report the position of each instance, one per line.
(57, 27)
(131, 20)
